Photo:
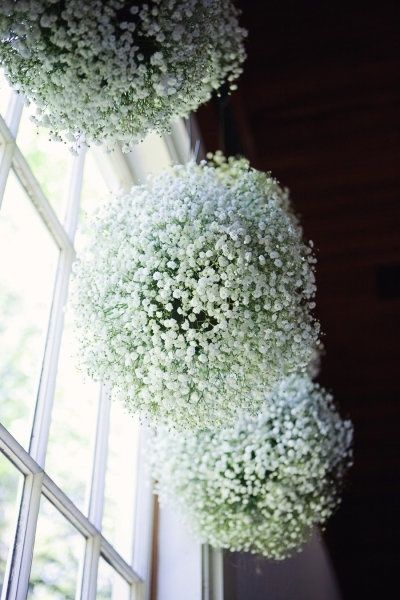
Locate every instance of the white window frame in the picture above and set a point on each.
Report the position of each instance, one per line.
(120, 171)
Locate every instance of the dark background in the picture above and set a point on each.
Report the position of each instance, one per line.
(318, 105)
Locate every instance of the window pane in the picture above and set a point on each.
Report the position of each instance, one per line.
(28, 258)
(94, 187)
(56, 557)
(110, 585)
(76, 395)
(5, 94)
(10, 480)
(120, 489)
(151, 155)
(73, 422)
(94, 193)
(50, 161)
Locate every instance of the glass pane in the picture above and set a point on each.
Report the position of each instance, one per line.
(10, 480)
(94, 188)
(110, 585)
(5, 93)
(50, 161)
(120, 489)
(73, 421)
(94, 193)
(76, 396)
(151, 155)
(28, 258)
(56, 557)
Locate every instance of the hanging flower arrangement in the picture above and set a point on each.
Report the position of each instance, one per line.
(264, 484)
(195, 292)
(112, 70)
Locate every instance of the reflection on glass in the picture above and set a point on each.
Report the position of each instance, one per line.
(56, 557)
(110, 585)
(50, 161)
(73, 421)
(120, 489)
(28, 258)
(5, 93)
(10, 480)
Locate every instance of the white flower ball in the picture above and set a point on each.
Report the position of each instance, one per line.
(194, 294)
(264, 484)
(112, 70)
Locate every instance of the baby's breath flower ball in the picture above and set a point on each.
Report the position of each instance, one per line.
(262, 485)
(111, 70)
(194, 294)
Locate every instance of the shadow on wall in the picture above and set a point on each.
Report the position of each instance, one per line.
(306, 576)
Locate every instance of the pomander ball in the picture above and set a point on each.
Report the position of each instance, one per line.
(109, 71)
(195, 294)
(262, 485)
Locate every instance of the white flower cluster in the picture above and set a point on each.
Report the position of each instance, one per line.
(262, 485)
(194, 294)
(111, 70)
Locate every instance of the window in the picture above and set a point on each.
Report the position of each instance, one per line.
(75, 507)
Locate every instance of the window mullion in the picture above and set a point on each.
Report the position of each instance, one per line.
(74, 200)
(16, 581)
(116, 170)
(88, 573)
(144, 520)
(67, 508)
(12, 120)
(87, 588)
(212, 573)
(39, 200)
(16, 453)
(13, 156)
(5, 165)
(118, 563)
(96, 495)
(14, 113)
(180, 144)
(42, 416)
